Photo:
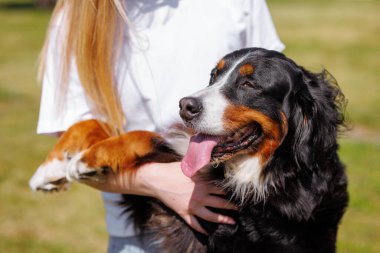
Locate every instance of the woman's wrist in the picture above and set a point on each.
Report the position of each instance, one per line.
(141, 181)
(150, 178)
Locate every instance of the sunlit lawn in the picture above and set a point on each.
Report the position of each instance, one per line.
(342, 36)
(69, 222)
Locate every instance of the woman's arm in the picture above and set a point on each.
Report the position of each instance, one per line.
(165, 181)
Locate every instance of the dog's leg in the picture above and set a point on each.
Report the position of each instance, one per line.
(120, 154)
(51, 174)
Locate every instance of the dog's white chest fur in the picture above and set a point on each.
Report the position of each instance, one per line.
(244, 177)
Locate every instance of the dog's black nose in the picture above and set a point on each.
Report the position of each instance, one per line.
(189, 107)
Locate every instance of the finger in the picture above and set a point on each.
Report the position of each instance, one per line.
(217, 202)
(207, 215)
(193, 222)
(216, 190)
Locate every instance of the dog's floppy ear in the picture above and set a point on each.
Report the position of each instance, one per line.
(316, 116)
(314, 110)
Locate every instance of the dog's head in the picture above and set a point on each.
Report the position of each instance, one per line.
(258, 100)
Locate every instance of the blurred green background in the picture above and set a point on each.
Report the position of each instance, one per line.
(342, 36)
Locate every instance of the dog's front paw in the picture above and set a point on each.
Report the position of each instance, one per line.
(50, 177)
(78, 170)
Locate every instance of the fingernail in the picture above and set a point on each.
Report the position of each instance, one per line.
(230, 221)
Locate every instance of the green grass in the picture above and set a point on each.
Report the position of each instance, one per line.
(69, 222)
(360, 228)
(342, 36)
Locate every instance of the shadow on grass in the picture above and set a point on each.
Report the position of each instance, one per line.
(27, 5)
(17, 6)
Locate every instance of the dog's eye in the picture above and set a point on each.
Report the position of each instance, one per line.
(248, 84)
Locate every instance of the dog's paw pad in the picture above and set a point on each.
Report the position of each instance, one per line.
(50, 177)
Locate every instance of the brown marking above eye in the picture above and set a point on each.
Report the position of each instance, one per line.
(220, 64)
(246, 70)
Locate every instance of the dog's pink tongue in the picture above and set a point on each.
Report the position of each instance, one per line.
(198, 153)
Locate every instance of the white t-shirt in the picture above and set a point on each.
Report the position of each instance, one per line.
(178, 42)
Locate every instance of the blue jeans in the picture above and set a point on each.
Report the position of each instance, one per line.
(132, 244)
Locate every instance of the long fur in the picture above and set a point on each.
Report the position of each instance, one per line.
(296, 202)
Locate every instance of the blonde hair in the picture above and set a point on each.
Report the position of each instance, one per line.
(93, 31)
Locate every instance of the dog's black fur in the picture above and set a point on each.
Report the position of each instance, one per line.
(308, 192)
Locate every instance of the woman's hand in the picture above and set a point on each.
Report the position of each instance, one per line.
(188, 197)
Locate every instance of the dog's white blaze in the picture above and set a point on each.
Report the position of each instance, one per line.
(244, 177)
(211, 121)
(214, 105)
(223, 80)
(47, 173)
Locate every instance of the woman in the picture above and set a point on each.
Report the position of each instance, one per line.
(129, 62)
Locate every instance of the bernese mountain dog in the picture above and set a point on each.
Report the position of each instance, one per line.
(264, 129)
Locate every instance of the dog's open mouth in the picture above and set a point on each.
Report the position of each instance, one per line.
(241, 139)
(204, 148)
